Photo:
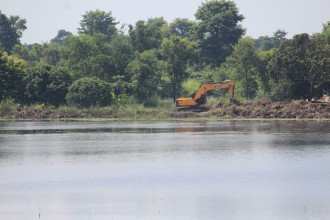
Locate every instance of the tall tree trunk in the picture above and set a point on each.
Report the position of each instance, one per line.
(246, 84)
(174, 92)
(311, 91)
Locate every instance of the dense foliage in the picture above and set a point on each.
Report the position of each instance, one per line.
(11, 30)
(103, 64)
(89, 92)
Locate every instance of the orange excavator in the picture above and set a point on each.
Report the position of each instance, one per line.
(198, 98)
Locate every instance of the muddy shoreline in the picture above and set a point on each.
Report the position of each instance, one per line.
(249, 110)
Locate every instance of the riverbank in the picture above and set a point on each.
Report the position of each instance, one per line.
(248, 110)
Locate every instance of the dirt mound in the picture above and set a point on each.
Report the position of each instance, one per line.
(42, 113)
(263, 109)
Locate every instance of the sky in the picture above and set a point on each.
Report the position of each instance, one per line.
(262, 17)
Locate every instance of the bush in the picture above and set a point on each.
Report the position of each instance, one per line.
(89, 92)
(7, 106)
(151, 102)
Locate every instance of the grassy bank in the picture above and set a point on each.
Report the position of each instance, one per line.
(167, 111)
(10, 110)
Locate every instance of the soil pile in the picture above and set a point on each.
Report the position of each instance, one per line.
(262, 109)
(32, 113)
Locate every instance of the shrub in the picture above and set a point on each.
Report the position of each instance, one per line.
(89, 92)
(151, 102)
(7, 106)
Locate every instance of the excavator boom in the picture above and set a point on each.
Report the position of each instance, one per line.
(199, 98)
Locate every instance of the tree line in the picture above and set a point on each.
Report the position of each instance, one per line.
(106, 64)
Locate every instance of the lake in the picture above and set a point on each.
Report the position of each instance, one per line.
(165, 170)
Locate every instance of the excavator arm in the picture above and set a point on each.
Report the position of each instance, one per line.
(199, 97)
(229, 84)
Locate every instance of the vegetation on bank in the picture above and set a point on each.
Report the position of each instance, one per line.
(105, 66)
(300, 109)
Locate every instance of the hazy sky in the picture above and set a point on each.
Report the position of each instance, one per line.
(262, 17)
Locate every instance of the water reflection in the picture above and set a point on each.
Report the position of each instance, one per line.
(167, 170)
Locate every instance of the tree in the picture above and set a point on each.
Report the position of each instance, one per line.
(147, 35)
(266, 43)
(36, 83)
(244, 61)
(122, 52)
(303, 66)
(22, 51)
(59, 39)
(89, 92)
(12, 72)
(57, 88)
(146, 72)
(324, 36)
(45, 84)
(36, 52)
(178, 53)
(86, 55)
(279, 37)
(96, 22)
(264, 58)
(11, 30)
(218, 29)
(49, 53)
(181, 27)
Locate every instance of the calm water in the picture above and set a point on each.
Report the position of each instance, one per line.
(167, 170)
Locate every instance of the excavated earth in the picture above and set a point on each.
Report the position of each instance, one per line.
(250, 110)
(262, 109)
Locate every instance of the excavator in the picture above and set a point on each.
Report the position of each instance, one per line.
(198, 98)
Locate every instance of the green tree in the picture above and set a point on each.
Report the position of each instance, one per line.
(181, 27)
(244, 60)
(324, 36)
(178, 53)
(218, 29)
(146, 72)
(36, 83)
(266, 43)
(300, 68)
(212, 74)
(49, 53)
(264, 78)
(36, 52)
(147, 35)
(11, 30)
(279, 37)
(12, 72)
(22, 51)
(57, 88)
(86, 55)
(98, 21)
(89, 92)
(122, 52)
(59, 39)
(45, 84)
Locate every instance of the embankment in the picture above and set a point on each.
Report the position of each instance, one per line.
(249, 110)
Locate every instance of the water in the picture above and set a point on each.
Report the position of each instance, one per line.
(165, 170)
